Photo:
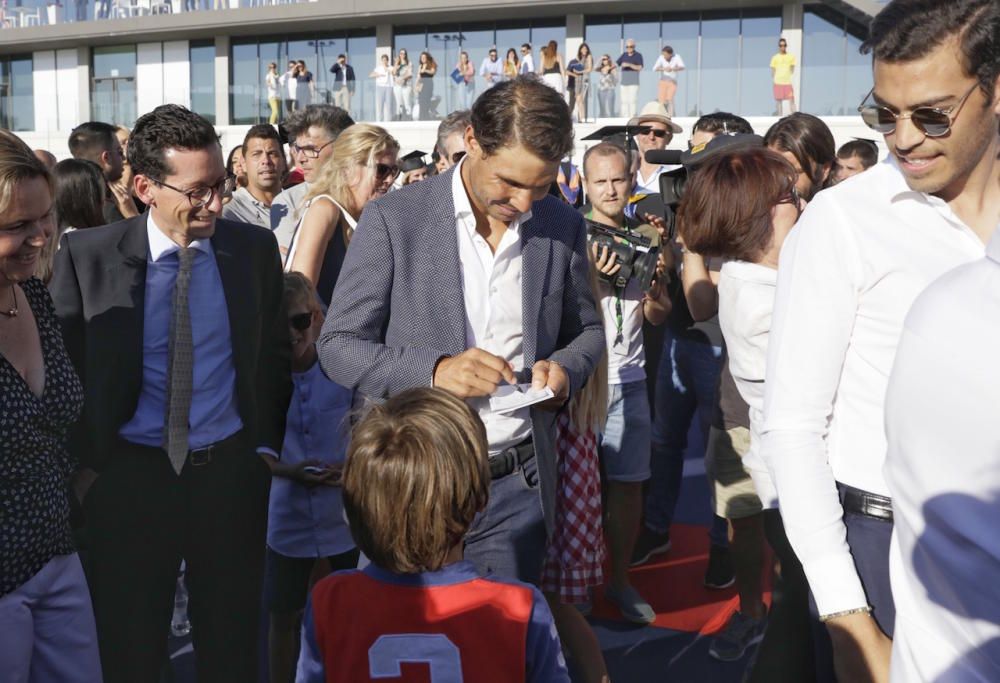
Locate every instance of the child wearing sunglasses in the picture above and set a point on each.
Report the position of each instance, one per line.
(306, 521)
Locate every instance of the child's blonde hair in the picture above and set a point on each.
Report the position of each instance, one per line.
(588, 409)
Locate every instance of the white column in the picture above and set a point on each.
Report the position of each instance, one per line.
(44, 87)
(67, 103)
(177, 73)
(791, 31)
(222, 80)
(83, 84)
(148, 76)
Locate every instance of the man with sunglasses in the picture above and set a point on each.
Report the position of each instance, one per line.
(782, 68)
(175, 323)
(652, 129)
(311, 132)
(487, 275)
(849, 272)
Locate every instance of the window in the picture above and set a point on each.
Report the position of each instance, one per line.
(835, 77)
(203, 79)
(17, 104)
(759, 37)
(112, 93)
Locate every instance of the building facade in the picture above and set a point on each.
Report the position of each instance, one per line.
(111, 60)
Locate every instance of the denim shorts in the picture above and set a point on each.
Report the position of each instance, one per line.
(625, 443)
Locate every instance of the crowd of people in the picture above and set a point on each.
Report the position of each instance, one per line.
(278, 367)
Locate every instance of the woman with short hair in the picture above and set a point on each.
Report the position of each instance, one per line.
(361, 169)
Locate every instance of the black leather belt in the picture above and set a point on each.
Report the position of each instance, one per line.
(864, 503)
(508, 460)
(203, 456)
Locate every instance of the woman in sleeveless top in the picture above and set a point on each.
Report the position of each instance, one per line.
(361, 168)
(48, 621)
(550, 67)
(425, 93)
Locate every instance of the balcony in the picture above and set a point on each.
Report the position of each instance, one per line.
(32, 13)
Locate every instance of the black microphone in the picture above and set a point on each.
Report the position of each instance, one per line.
(663, 156)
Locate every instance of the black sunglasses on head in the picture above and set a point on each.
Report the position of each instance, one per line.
(300, 322)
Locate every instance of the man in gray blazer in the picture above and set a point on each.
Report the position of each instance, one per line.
(470, 281)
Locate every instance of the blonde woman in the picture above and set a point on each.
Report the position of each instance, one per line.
(551, 69)
(511, 65)
(361, 168)
(271, 81)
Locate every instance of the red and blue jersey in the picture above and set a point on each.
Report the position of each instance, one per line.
(448, 626)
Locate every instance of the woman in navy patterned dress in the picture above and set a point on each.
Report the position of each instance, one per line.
(46, 617)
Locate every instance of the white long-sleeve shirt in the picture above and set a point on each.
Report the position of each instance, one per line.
(944, 447)
(848, 274)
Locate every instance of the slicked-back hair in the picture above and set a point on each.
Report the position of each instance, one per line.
(169, 126)
(80, 194)
(416, 475)
(523, 111)
(865, 151)
(907, 30)
(722, 123)
(726, 209)
(262, 131)
(90, 139)
(456, 122)
(333, 120)
(810, 141)
(606, 149)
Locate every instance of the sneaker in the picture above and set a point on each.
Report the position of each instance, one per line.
(741, 632)
(647, 544)
(631, 604)
(720, 573)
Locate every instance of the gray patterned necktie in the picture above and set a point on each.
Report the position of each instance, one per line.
(180, 364)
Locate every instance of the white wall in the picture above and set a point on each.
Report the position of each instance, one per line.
(177, 73)
(45, 91)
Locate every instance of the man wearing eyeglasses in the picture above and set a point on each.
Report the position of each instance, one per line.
(630, 62)
(782, 68)
(312, 131)
(175, 323)
(527, 61)
(652, 129)
(849, 272)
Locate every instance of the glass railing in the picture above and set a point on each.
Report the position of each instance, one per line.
(38, 13)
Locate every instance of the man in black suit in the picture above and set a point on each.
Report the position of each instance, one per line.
(343, 83)
(175, 323)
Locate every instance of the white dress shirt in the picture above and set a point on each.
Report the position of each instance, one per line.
(746, 300)
(849, 271)
(674, 62)
(651, 185)
(491, 285)
(942, 409)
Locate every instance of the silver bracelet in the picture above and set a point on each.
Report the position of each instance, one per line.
(846, 613)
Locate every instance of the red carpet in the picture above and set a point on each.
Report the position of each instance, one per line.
(672, 583)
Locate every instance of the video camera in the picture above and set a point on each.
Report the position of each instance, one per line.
(634, 251)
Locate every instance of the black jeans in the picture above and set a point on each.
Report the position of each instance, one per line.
(141, 519)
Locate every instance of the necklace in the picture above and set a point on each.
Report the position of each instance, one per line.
(12, 312)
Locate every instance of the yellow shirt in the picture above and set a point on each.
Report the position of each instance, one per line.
(782, 65)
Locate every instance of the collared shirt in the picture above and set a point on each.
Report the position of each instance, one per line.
(629, 76)
(285, 214)
(674, 62)
(246, 208)
(527, 64)
(746, 299)
(492, 68)
(214, 415)
(309, 522)
(491, 286)
(848, 274)
(944, 442)
(651, 185)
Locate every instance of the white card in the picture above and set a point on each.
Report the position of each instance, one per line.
(509, 398)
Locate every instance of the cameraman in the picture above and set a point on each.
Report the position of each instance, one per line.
(625, 444)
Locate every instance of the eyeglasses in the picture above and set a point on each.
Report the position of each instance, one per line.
(204, 195)
(383, 171)
(655, 131)
(310, 152)
(300, 322)
(931, 121)
(792, 197)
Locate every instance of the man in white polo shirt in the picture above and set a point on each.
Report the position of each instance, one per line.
(848, 274)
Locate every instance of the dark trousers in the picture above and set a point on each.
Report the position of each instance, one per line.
(786, 653)
(868, 539)
(141, 519)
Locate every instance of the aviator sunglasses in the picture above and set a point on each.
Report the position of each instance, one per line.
(931, 121)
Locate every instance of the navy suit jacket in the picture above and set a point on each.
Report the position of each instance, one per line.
(98, 287)
(399, 304)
